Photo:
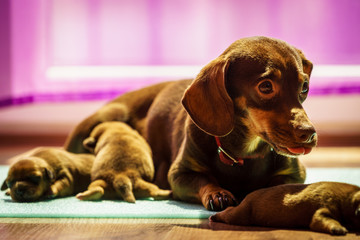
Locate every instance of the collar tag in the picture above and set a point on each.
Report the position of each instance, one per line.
(227, 158)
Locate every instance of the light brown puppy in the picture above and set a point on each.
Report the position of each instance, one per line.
(47, 172)
(322, 206)
(123, 166)
(240, 127)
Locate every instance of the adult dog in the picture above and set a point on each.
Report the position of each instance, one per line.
(241, 126)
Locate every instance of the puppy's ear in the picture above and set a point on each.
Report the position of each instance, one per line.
(207, 101)
(49, 174)
(356, 201)
(90, 143)
(307, 65)
(4, 186)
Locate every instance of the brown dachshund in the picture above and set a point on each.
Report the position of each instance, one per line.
(321, 206)
(240, 127)
(46, 172)
(123, 167)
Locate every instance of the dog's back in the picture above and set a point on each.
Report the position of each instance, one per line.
(136, 105)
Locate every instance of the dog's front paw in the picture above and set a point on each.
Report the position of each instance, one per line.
(49, 194)
(218, 199)
(338, 230)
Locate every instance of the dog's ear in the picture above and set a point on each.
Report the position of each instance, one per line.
(207, 101)
(4, 186)
(307, 65)
(49, 174)
(356, 201)
(90, 143)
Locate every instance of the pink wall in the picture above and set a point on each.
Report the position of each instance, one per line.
(44, 33)
(5, 67)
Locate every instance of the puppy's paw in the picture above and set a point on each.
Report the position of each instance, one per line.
(162, 194)
(338, 230)
(49, 194)
(145, 189)
(53, 192)
(91, 194)
(215, 218)
(218, 200)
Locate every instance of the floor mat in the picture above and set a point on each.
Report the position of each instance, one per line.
(71, 207)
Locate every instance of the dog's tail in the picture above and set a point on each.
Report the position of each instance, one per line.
(95, 191)
(110, 112)
(130, 184)
(124, 187)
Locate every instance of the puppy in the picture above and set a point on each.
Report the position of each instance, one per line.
(237, 127)
(322, 206)
(123, 165)
(46, 172)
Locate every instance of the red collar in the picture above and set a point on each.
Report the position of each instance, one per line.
(225, 157)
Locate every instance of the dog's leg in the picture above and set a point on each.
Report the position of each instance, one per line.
(215, 198)
(199, 188)
(95, 191)
(144, 189)
(239, 215)
(124, 187)
(192, 181)
(63, 186)
(323, 221)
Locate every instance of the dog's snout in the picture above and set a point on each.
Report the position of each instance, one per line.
(306, 134)
(20, 190)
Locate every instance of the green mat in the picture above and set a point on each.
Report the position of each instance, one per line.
(70, 207)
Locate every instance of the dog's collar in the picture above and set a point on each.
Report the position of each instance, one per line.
(227, 158)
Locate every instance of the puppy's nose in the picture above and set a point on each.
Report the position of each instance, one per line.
(20, 191)
(306, 134)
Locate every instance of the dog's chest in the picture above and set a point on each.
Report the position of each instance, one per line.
(240, 179)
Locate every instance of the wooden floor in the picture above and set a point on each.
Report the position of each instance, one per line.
(21, 129)
(144, 229)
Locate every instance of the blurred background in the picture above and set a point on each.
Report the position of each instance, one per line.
(60, 60)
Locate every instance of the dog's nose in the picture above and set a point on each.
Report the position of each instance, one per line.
(306, 134)
(20, 191)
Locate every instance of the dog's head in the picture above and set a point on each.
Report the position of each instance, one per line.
(259, 83)
(354, 216)
(27, 180)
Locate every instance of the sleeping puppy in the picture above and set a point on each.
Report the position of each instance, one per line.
(123, 166)
(322, 206)
(240, 127)
(46, 172)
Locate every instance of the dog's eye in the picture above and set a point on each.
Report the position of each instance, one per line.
(305, 88)
(266, 87)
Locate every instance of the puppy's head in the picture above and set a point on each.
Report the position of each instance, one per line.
(259, 83)
(28, 180)
(354, 218)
